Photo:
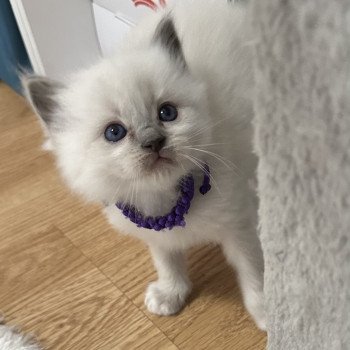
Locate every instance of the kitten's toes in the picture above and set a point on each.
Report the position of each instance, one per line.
(164, 299)
(254, 303)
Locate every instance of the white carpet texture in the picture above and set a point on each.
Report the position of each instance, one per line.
(303, 141)
(12, 339)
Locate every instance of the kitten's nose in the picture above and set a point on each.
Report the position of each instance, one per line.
(155, 144)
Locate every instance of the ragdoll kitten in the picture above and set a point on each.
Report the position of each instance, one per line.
(174, 101)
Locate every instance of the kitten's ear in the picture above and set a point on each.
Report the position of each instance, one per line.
(42, 94)
(166, 36)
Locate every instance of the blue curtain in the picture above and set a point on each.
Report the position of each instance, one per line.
(13, 54)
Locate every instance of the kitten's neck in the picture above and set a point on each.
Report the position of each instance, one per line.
(156, 202)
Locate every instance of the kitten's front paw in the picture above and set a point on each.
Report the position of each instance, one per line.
(164, 299)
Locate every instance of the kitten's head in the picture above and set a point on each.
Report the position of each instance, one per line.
(128, 119)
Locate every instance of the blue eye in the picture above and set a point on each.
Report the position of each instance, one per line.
(167, 112)
(115, 132)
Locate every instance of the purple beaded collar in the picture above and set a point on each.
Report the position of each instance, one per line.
(176, 215)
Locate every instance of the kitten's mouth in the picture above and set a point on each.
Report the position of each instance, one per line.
(160, 159)
(163, 160)
(157, 161)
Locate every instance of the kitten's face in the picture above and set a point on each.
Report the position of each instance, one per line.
(128, 121)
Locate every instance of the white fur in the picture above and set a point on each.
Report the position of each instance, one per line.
(12, 339)
(215, 112)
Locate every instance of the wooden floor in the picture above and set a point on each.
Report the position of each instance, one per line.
(66, 276)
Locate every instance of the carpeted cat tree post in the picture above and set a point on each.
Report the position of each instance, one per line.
(303, 141)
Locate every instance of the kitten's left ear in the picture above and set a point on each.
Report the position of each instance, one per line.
(42, 93)
(166, 36)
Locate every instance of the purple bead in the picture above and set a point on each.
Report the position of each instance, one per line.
(150, 221)
(178, 219)
(179, 211)
(146, 225)
(187, 205)
(139, 218)
(171, 217)
(184, 186)
(184, 200)
(162, 221)
(157, 227)
(168, 225)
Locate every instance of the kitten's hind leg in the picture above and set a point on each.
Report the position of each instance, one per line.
(243, 251)
(167, 295)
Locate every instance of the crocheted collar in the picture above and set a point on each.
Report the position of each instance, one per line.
(176, 216)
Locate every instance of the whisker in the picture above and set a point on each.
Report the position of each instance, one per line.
(208, 126)
(202, 163)
(210, 144)
(182, 166)
(132, 192)
(136, 191)
(116, 192)
(127, 195)
(197, 162)
(223, 160)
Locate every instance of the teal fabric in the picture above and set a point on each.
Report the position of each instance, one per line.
(13, 55)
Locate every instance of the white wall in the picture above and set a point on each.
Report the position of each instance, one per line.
(59, 35)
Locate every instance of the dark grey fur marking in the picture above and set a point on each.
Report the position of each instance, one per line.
(167, 37)
(42, 93)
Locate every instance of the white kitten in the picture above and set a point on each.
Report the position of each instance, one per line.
(176, 97)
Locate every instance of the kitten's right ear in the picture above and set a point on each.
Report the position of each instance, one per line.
(42, 94)
(167, 37)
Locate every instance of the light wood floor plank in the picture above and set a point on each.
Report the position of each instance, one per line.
(50, 288)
